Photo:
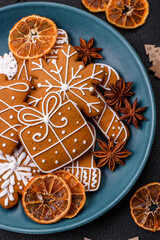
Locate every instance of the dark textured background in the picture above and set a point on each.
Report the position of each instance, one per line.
(117, 224)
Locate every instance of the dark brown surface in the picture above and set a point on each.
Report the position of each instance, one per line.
(117, 224)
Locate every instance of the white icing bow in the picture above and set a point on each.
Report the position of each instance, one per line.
(31, 116)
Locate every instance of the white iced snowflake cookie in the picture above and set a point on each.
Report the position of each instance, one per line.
(8, 65)
(15, 172)
(70, 79)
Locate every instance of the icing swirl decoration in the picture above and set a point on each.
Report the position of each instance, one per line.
(34, 117)
(54, 127)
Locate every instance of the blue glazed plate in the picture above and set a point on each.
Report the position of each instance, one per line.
(119, 54)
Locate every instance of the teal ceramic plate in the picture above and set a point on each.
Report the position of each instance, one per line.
(119, 54)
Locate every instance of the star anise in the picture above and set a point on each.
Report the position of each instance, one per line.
(132, 113)
(118, 93)
(86, 52)
(111, 154)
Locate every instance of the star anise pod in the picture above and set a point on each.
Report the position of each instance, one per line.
(132, 113)
(86, 52)
(118, 93)
(111, 154)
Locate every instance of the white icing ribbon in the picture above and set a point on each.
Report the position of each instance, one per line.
(16, 87)
(33, 117)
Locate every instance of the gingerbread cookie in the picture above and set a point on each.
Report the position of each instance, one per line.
(12, 96)
(22, 70)
(70, 79)
(110, 76)
(15, 172)
(54, 134)
(62, 39)
(109, 124)
(8, 65)
(85, 168)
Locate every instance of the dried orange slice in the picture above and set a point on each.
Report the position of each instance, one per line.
(95, 5)
(145, 207)
(127, 13)
(32, 37)
(46, 198)
(77, 190)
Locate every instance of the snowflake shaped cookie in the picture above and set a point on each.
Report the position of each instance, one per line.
(12, 96)
(15, 172)
(70, 79)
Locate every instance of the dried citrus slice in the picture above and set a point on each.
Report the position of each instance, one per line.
(46, 198)
(127, 13)
(95, 5)
(77, 191)
(32, 37)
(145, 207)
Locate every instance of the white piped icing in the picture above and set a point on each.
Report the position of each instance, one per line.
(66, 86)
(74, 150)
(43, 160)
(4, 145)
(14, 168)
(56, 152)
(8, 65)
(90, 176)
(63, 132)
(75, 140)
(44, 116)
(16, 87)
(56, 162)
(13, 97)
(115, 119)
(84, 142)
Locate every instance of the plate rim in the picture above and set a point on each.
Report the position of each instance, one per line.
(153, 125)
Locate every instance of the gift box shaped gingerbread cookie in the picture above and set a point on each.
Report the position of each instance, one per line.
(54, 134)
